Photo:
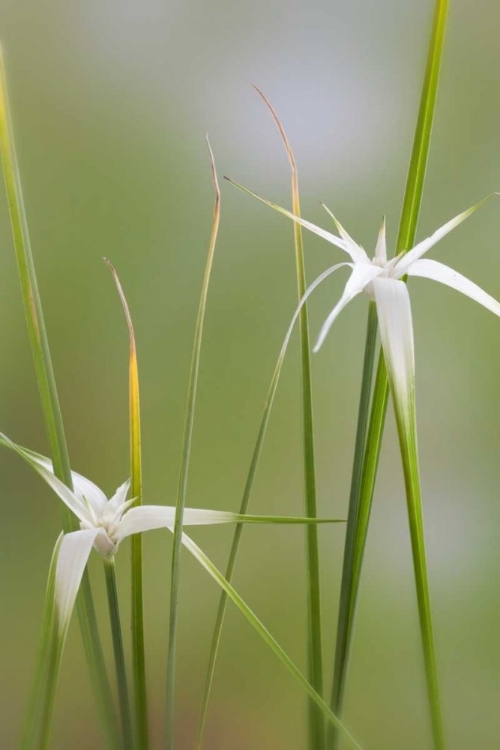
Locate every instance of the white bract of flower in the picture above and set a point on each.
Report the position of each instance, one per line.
(380, 279)
(104, 523)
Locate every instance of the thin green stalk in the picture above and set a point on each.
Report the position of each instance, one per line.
(39, 687)
(315, 665)
(343, 640)
(409, 453)
(119, 654)
(271, 393)
(49, 400)
(183, 477)
(53, 667)
(357, 526)
(314, 640)
(138, 649)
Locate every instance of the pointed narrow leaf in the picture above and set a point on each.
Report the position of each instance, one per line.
(423, 247)
(254, 621)
(328, 236)
(431, 269)
(138, 639)
(314, 639)
(362, 275)
(186, 452)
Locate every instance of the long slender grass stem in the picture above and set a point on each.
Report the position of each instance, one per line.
(37, 719)
(344, 624)
(119, 655)
(138, 645)
(50, 401)
(370, 453)
(408, 444)
(184, 471)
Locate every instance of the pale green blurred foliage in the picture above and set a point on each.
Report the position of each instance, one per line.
(111, 104)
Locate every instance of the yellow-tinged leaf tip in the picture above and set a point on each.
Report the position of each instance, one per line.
(123, 300)
(279, 125)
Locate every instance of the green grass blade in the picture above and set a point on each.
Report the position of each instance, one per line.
(138, 649)
(41, 688)
(344, 623)
(294, 520)
(396, 333)
(219, 622)
(49, 399)
(266, 636)
(183, 478)
(409, 453)
(357, 525)
(119, 654)
(314, 638)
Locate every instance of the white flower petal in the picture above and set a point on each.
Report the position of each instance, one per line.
(381, 247)
(431, 269)
(74, 552)
(120, 496)
(148, 517)
(68, 497)
(396, 334)
(84, 488)
(362, 274)
(328, 236)
(419, 250)
(355, 251)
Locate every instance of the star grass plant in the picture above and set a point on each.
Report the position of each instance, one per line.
(382, 280)
(91, 521)
(105, 523)
(51, 408)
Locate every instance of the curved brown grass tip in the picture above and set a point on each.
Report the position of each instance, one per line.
(123, 300)
(279, 125)
(214, 171)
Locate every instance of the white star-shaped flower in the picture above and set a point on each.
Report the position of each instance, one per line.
(105, 523)
(381, 278)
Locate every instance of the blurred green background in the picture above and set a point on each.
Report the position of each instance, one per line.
(111, 102)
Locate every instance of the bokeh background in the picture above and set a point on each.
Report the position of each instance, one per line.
(111, 103)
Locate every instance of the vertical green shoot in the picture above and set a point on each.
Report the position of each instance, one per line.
(314, 640)
(344, 635)
(138, 650)
(183, 477)
(357, 525)
(49, 397)
(396, 333)
(38, 719)
(119, 655)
